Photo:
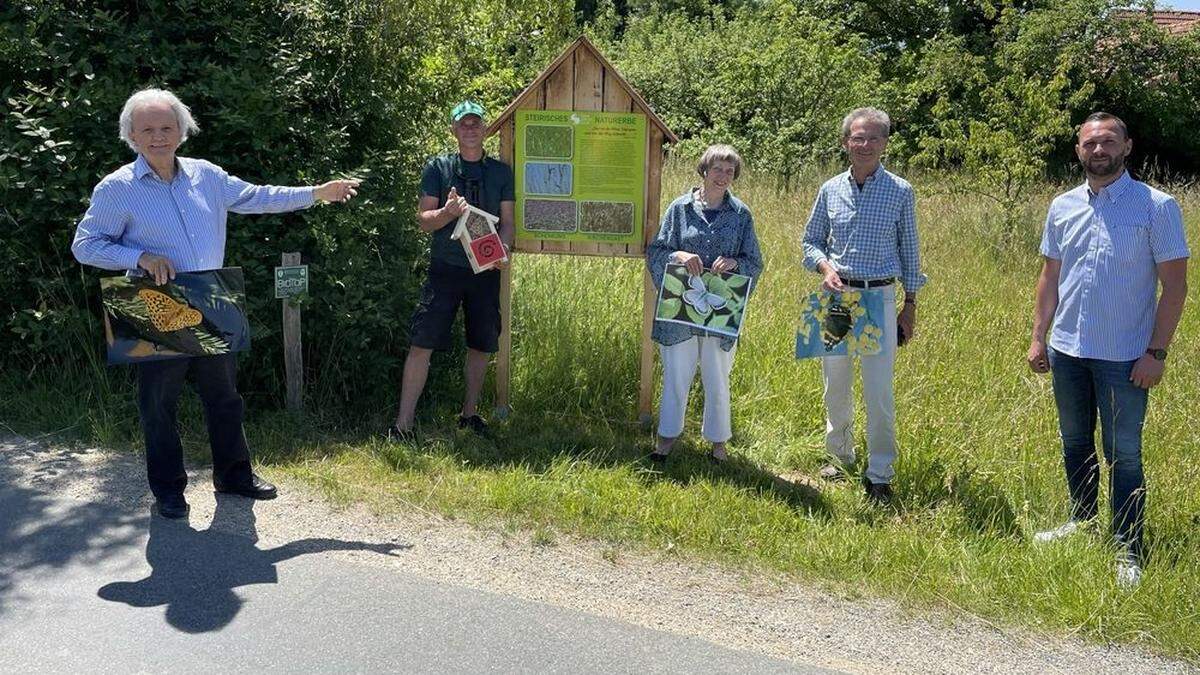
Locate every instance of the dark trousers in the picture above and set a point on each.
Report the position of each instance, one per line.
(1085, 389)
(215, 380)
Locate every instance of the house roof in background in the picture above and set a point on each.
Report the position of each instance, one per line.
(1174, 21)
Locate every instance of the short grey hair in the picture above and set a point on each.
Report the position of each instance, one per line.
(720, 153)
(1101, 116)
(183, 115)
(872, 115)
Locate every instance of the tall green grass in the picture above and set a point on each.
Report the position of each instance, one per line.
(979, 467)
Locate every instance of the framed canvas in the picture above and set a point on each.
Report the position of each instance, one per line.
(713, 302)
(849, 323)
(196, 314)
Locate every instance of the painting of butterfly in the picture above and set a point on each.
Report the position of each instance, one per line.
(711, 302)
(840, 324)
(196, 314)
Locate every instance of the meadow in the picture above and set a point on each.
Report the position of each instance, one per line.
(979, 468)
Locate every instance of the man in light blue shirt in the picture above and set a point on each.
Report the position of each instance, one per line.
(1107, 245)
(863, 234)
(163, 214)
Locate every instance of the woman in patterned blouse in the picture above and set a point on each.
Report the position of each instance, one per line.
(705, 228)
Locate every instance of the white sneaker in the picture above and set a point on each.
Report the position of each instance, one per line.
(1061, 532)
(1129, 572)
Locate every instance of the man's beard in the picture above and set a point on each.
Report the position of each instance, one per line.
(1103, 169)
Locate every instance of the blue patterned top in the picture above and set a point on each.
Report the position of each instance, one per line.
(868, 233)
(1110, 245)
(684, 228)
(133, 211)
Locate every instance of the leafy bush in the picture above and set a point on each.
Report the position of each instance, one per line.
(995, 127)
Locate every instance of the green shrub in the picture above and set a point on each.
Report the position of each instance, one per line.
(285, 94)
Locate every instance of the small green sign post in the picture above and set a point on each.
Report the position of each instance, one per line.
(290, 281)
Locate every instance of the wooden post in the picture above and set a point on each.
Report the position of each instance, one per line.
(654, 160)
(504, 358)
(293, 358)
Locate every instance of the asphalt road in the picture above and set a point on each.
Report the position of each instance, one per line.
(98, 584)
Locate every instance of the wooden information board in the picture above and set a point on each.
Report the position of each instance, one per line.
(581, 82)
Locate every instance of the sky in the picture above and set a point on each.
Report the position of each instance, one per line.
(1193, 5)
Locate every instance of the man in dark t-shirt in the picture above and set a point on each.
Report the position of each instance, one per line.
(448, 184)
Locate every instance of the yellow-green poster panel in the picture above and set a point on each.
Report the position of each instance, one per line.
(580, 175)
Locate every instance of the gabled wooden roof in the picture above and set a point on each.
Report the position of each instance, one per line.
(584, 44)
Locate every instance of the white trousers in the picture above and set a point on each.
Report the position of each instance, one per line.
(679, 369)
(877, 375)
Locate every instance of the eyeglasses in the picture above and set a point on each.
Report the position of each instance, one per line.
(866, 140)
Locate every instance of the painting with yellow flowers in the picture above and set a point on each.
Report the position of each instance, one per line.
(195, 314)
(840, 324)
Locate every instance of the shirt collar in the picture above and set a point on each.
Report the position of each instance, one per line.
(141, 167)
(726, 202)
(874, 174)
(1113, 189)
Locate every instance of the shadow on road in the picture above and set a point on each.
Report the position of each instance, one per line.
(45, 526)
(194, 572)
(60, 507)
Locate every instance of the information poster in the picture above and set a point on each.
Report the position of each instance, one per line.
(580, 176)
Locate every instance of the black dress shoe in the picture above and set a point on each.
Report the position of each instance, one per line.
(255, 488)
(879, 493)
(173, 507)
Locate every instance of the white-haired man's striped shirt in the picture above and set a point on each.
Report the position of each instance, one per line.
(133, 211)
(1109, 245)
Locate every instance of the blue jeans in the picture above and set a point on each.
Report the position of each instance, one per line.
(1083, 389)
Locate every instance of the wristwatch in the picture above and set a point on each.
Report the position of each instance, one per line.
(1158, 354)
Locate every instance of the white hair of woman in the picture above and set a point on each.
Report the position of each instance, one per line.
(873, 116)
(183, 115)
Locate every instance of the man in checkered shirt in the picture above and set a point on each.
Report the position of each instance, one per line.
(862, 234)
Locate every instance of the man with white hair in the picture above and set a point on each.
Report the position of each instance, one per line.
(163, 214)
(862, 234)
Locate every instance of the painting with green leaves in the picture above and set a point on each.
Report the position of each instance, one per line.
(712, 302)
(195, 314)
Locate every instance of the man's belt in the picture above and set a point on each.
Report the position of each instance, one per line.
(871, 283)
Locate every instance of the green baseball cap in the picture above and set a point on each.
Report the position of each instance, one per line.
(466, 108)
